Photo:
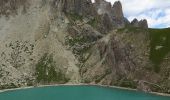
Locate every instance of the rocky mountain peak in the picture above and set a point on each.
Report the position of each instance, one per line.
(102, 7)
(117, 10)
(142, 23)
(99, 9)
(135, 22)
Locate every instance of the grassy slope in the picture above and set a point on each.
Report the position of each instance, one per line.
(160, 45)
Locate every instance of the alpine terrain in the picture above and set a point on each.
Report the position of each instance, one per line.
(76, 41)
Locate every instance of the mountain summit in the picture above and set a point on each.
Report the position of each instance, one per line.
(77, 41)
(101, 8)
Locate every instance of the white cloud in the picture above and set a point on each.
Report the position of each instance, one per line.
(157, 12)
(156, 18)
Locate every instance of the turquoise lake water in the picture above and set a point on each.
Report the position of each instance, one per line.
(78, 93)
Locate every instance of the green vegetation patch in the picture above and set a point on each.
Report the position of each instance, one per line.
(47, 73)
(79, 45)
(74, 16)
(131, 29)
(94, 22)
(129, 83)
(160, 46)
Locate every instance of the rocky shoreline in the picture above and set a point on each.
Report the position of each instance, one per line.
(81, 84)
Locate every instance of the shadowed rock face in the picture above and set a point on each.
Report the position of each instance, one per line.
(106, 23)
(114, 61)
(81, 7)
(141, 23)
(135, 23)
(117, 10)
(118, 16)
(114, 12)
(102, 7)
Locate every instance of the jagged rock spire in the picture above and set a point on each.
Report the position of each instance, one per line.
(117, 10)
(142, 23)
(100, 8)
(135, 23)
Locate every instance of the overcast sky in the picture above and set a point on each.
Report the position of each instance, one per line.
(157, 12)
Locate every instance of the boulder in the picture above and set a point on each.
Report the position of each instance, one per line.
(106, 24)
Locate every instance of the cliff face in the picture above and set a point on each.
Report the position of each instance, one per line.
(26, 56)
(74, 41)
(81, 7)
(114, 13)
(117, 10)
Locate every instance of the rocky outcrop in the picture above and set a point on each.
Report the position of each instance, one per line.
(101, 10)
(8, 7)
(109, 55)
(135, 23)
(80, 7)
(141, 23)
(102, 7)
(143, 87)
(117, 10)
(114, 13)
(122, 57)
